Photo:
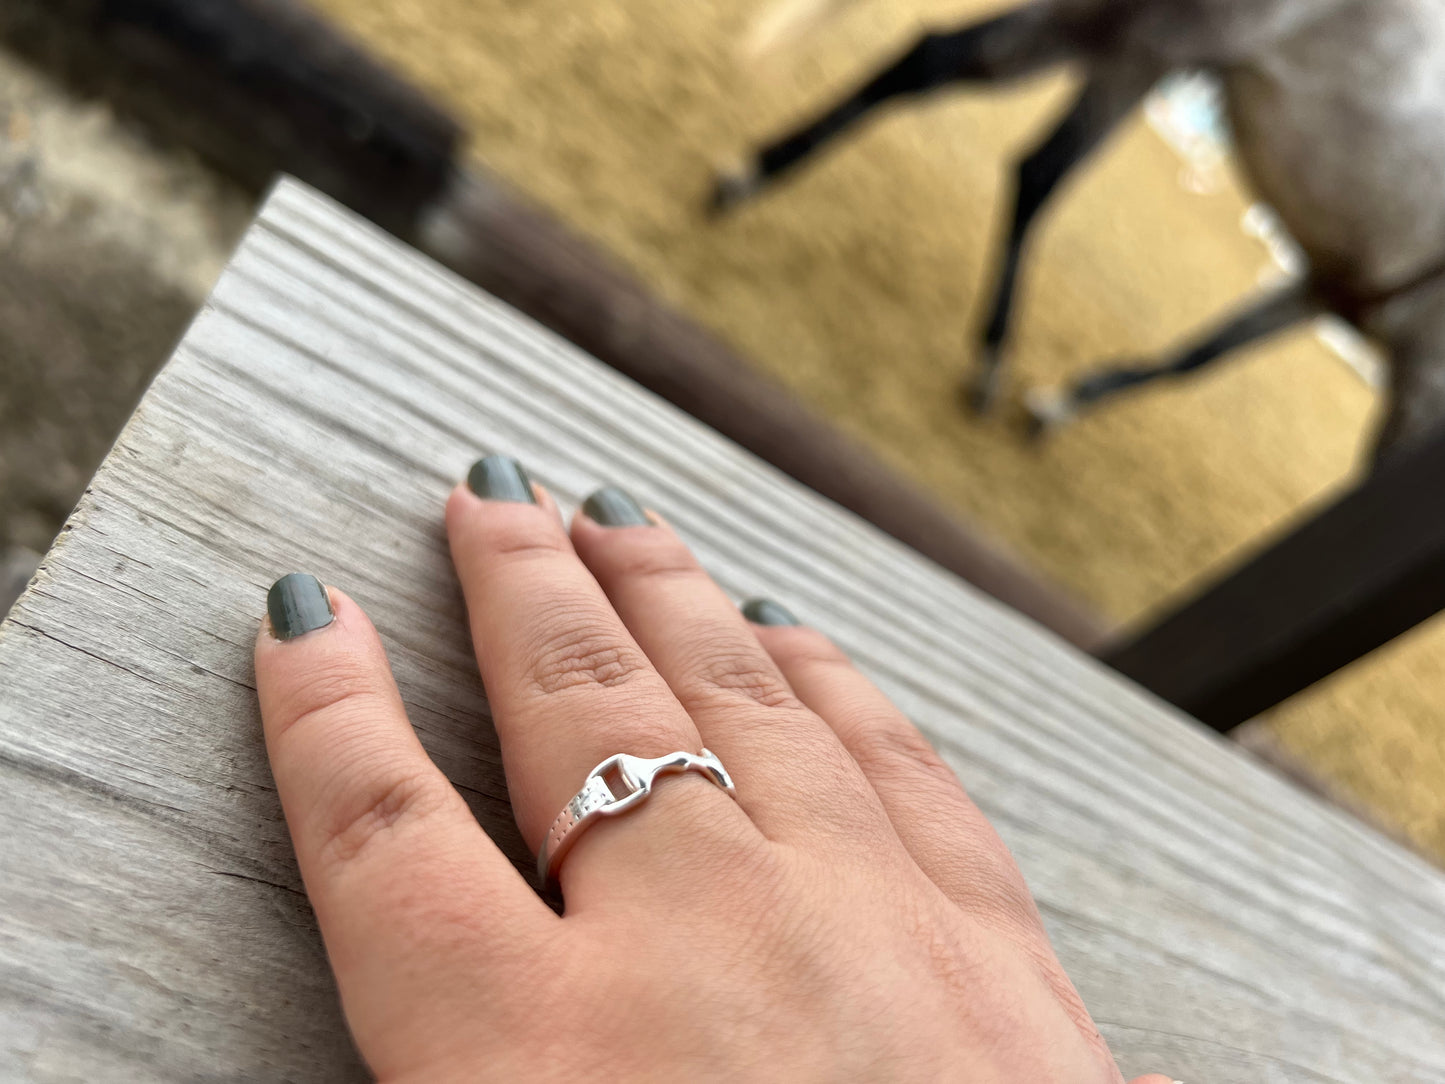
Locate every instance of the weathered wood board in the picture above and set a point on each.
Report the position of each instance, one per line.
(1222, 926)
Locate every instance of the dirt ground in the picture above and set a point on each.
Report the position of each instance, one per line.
(858, 285)
(107, 248)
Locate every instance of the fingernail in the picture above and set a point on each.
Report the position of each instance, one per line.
(298, 603)
(762, 611)
(500, 478)
(611, 507)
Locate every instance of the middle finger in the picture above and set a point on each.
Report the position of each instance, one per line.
(567, 683)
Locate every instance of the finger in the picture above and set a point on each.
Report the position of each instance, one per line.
(546, 500)
(793, 775)
(947, 835)
(411, 895)
(567, 683)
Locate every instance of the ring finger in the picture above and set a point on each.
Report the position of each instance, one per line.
(795, 778)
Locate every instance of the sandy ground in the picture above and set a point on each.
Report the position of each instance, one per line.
(858, 285)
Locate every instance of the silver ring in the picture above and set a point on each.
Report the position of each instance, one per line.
(598, 798)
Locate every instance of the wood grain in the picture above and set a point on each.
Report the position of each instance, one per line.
(1220, 924)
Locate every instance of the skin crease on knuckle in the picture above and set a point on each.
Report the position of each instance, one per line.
(388, 805)
(505, 534)
(800, 647)
(657, 555)
(575, 647)
(896, 750)
(339, 686)
(730, 677)
(727, 673)
(974, 866)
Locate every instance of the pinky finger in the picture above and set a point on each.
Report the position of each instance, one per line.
(946, 834)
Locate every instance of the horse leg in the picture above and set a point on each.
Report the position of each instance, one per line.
(1012, 44)
(1416, 408)
(1107, 98)
(1274, 313)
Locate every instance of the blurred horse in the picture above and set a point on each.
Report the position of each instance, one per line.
(1338, 112)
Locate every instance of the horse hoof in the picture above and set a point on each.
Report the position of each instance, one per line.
(981, 393)
(1046, 409)
(734, 187)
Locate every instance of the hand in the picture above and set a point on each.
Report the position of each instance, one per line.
(850, 916)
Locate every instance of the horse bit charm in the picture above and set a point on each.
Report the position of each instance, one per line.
(598, 798)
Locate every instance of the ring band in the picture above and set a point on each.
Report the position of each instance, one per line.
(597, 798)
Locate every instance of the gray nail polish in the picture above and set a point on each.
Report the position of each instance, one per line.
(298, 603)
(500, 478)
(762, 611)
(611, 507)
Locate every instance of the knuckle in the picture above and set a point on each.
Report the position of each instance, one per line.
(522, 539)
(801, 647)
(742, 673)
(1013, 903)
(341, 688)
(578, 653)
(891, 747)
(379, 806)
(657, 555)
(985, 882)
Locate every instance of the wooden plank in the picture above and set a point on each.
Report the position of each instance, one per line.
(1220, 924)
(1361, 573)
(264, 87)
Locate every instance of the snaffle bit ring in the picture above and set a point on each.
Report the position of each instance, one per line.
(599, 797)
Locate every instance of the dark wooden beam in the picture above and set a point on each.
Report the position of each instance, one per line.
(1352, 579)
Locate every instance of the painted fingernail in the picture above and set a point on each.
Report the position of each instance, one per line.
(500, 478)
(298, 603)
(611, 507)
(762, 611)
